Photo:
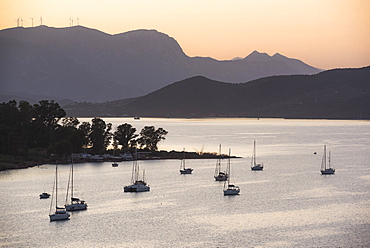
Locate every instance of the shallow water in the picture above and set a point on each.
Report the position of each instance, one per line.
(288, 204)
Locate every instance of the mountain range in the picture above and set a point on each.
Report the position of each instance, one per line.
(333, 94)
(82, 64)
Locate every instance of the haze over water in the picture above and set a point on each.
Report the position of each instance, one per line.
(288, 204)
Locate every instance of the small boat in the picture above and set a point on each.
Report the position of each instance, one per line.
(136, 118)
(220, 175)
(76, 204)
(114, 164)
(60, 212)
(44, 195)
(184, 170)
(138, 185)
(326, 168)
(230, 189)
(254, 165)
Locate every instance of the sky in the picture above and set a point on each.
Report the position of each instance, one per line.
(326, 34)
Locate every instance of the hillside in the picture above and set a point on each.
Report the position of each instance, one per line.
(83, 64)
(333, 94)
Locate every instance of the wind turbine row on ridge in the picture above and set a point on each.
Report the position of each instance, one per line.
(20, 21)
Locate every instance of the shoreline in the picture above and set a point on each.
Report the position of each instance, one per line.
(157, 155)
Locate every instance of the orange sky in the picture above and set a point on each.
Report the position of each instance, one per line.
(323, 33)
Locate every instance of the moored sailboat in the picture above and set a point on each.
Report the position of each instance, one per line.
(230, 189)
(44, 195)
(184, 170)
(138, 185)
(220, 175)
(326, 167)
(254, 165)
(76, 203)
(60, 212)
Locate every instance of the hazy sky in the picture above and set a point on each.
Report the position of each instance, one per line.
(323, 33)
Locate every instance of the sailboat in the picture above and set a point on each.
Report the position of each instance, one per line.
(76, 203)
(184, 170)
(230, 189)
(254, 165)
(220, 175)
(138, 185)
(325, 168)
(60, 212)
(44, 195)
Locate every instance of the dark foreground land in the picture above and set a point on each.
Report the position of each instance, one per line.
(21, 162)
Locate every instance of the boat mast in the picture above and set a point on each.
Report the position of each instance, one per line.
(55, 186)
(323, 163)
(183, 159)
(218, 165)
(254, 154)
(72, 178)
(228, 170)
(133, 174)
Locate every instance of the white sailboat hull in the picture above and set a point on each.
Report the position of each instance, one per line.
(328, 171)
(59, 215)
(186, 171)
(76, 206)
(136, 188)
(257, 167)
(231, 191)
(221, 177)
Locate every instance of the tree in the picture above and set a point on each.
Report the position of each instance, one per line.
(151, 137)
(124, 135)
(85, 128)
(48, 113)
(44, 121)
(70, 122)
(100, 135)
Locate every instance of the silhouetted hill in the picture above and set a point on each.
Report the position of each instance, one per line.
(334, 94)
(84, 64)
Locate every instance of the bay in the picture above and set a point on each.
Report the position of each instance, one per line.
(288, 204)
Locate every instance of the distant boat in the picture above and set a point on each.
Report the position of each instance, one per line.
(220, 175)
(138, 185)
(76, 204)
(184, 170)
(230, 189)
(44, 195)
(60, 212)
(254, 165)
(114, 164)
(326, 167)
(136, 118)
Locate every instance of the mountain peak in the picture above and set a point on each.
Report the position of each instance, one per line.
(278, 56)
(257, 56)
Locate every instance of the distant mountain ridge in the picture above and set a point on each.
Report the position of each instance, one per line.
(84, 64)
(334, 94)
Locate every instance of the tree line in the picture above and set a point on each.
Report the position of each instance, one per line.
(44, 125)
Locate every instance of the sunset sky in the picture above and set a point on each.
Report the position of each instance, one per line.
(323, 33)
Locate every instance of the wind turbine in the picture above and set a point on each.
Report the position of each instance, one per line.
(18, 22)
(78, 21)
(41, 20)
(21, 22)
(32, 20)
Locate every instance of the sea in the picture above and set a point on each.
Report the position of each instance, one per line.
(288, 204)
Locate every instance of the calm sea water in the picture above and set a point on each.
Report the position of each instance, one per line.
(288, 204)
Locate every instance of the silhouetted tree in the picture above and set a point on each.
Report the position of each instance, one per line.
(85, 128)
(100, 135)
(150, 137)
(124, 135)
